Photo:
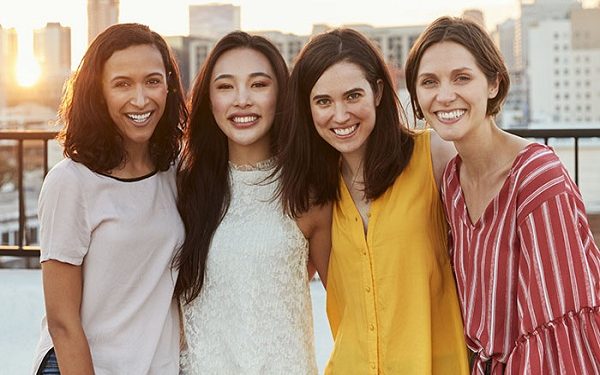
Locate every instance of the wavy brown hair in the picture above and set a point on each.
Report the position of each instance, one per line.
(203, 180)
(476, 40)
(89, 135)
(308, 166)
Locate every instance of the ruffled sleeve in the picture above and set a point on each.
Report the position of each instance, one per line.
(558, 291)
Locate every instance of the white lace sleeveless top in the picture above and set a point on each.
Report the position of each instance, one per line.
(253, 315)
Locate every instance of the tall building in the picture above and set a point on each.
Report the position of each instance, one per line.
(52, 49)
(101, 14)
(564, 69)
(474, 15)
(8, 60)
(213, 20)
(190, 53)
(289, 45)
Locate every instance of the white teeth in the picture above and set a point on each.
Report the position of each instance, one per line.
(139, 117)
(345, 131)
(244, 119)
(452, 115)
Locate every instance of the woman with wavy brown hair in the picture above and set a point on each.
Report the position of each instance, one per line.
(109, 225)
(243, 279)
(391, 299)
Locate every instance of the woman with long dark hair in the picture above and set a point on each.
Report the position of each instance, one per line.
(391, 298)
(526, 265)
(243, 279)
(109, 225)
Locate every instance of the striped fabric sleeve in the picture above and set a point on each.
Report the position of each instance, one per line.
(558, 295)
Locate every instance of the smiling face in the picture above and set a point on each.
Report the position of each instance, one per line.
(134, 85)
(243, 97)
(452, 90)
(343, 107)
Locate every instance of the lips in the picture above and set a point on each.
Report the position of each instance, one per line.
(344, 132)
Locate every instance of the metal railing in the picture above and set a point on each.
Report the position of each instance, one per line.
(20, 136)
(27, 250)
(573, 133)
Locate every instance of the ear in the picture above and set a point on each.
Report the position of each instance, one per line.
(493, 87)
(379, 93)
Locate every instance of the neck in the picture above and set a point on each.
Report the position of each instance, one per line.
(138, 163)
(251, 154)
(479, 149)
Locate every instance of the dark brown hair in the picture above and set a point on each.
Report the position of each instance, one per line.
(475, 39)
(89, 134)
(309, 167)
(203, 179)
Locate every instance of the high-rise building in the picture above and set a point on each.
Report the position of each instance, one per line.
(101, 14)
(52, 50)
(474, 15)
(289, 45)
(8, 60)
(190, 52)
(564, 69)
(213, 20)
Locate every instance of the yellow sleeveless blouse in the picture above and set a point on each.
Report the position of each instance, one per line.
(391, 296)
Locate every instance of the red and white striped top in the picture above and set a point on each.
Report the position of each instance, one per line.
(528, 271)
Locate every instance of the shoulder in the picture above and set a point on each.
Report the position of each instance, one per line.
(67, 171)
(539, 175)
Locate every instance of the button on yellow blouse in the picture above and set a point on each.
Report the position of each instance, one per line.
(391, 297)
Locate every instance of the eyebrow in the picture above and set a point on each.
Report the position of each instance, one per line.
(454, 71)
(348, 92)
(252, 75)
(116, 78)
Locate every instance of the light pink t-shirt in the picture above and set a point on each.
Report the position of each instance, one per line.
(124, 235)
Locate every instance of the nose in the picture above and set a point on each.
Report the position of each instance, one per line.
(242, 98)
(341, 114)
(140, 98)
(446, 93)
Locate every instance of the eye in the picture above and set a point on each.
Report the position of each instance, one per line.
(428, 82)
(224, 86)
(154, 81)
(122, 84)
(259, 84)
(322, 102)
(354, 96)
(463, 78)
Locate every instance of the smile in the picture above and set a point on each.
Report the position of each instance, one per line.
(139, 117)
(450, 115)
(342, 132)
(244, 120)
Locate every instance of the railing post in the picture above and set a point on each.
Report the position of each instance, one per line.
(20, 168)
(577, 161)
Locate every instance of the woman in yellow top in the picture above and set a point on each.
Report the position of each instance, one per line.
(391, 298)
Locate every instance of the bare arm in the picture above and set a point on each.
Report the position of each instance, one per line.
(62, 295)
(316, 226)
(441, 153)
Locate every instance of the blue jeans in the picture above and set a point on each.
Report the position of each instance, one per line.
(49, 365)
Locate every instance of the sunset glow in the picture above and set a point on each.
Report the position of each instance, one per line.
(28, 71)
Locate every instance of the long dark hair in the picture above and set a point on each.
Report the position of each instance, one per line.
(89, 135)
(203, 181)
(309, 167)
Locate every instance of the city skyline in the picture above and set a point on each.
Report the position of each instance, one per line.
(255, 16)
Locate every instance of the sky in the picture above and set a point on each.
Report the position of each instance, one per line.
(171, 17)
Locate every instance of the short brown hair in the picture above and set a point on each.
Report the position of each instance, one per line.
(475, 39)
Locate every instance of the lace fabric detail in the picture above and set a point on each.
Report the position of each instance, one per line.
(254, 313)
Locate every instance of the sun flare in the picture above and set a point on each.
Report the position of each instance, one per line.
(28, 72)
